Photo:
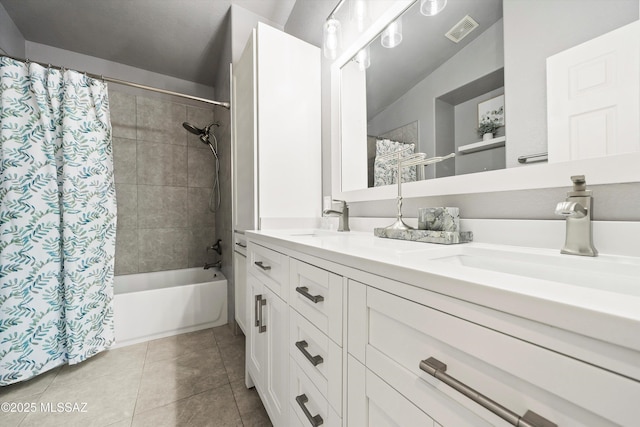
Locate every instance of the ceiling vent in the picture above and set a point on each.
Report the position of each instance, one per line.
(461, 29)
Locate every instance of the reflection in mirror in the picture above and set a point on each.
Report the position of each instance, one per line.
(424, 94)
(432, 92)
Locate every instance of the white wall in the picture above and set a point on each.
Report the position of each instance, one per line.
(11, 39)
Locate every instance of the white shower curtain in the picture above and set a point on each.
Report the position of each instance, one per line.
(57, 219)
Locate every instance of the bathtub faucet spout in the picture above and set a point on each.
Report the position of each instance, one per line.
(217, 264)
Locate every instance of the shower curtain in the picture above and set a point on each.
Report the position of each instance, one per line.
(57, 219)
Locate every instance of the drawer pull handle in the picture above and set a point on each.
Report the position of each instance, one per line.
(315, 420)
(241, 245)
(262, 266)
(436, 368)
(260, 302)
(304, 291)
(315, 360)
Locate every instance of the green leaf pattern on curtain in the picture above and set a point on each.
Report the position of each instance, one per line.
(57, 219)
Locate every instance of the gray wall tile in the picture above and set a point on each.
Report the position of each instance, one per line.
(199, 240)
(198, 204)
(122, 109)
(162, 207)
(199, 117)
(162, 249)
(161, 164)
(163, 218)
(201, 164)
(124, 161)
(160, 121)
(127, 198)
(126, 260)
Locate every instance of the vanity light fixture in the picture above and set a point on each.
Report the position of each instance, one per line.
(363, 58)
(359, 13)
(332, 34)
(392, 35)
(432, 7)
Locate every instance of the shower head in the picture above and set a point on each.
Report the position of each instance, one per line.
(194, 130)
(197, 131)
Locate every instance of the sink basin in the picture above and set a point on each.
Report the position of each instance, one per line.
(607, 272)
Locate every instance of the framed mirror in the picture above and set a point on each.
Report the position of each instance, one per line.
(432, 93)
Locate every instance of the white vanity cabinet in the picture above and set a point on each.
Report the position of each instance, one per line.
(316, 301)
(276, 128)
(363, 349)
(267, 351)
(276, 147)
(395, 335)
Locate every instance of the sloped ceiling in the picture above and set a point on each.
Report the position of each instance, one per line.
(179, 38)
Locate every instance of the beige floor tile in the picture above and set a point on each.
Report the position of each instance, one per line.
(36, 385)
(179, 345)
(214, 408)
(121, 360)
(176, 381)
(224, 334)
(109, 399)
(169, 380)
(124, 423)
(233, 354)
(256, 418)
(247, 399)
(249, 404)
(13, 419)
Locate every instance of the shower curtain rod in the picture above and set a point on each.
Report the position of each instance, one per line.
(127, 83)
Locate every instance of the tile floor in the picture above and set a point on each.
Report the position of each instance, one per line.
(194, 379)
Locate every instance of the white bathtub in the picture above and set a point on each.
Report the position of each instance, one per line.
(154, 305)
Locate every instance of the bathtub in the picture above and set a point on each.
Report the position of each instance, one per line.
(154, 305)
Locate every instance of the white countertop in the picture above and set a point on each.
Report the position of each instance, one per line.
(607, 311)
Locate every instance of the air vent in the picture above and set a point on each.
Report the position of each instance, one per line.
(461, 29)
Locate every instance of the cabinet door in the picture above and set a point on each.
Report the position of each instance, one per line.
(240, 287)
(276, 321)
(256, 341)
(288, 90)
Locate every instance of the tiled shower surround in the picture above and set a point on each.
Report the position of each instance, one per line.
(164, 178)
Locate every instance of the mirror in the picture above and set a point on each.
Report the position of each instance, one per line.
(432, 92)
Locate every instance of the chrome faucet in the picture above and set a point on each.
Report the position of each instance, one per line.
(343, 223)
(577, 210)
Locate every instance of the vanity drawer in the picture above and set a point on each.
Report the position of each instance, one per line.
(317, 295)
(516, 374)
(318, 356)
(306, 401)
(271, 267)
